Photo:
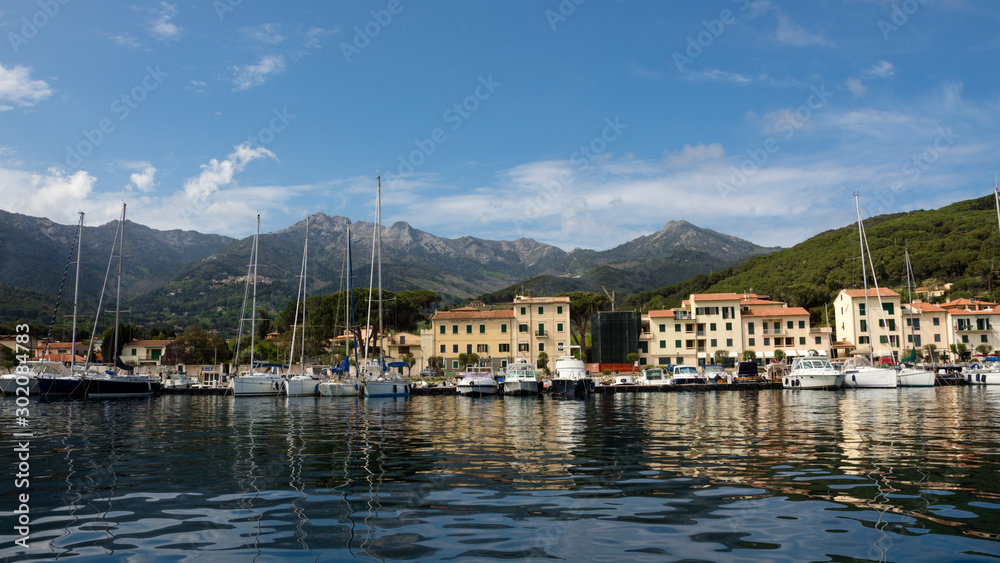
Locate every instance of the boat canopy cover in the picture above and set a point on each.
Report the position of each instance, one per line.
(398, 364)
(343, 367)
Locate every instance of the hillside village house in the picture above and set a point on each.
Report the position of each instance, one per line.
(924, 324)
(857, 315)
(60, 351)
(731, 322)
(973, 323)
(532, 326)
(144, 352)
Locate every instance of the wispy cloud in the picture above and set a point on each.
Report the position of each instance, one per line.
(248, 76)
(857, 88)
(217, 174)
(717, 75)
(269, 33)
(123, 39)
(160, 26)
(17, 87)
(881, 69)
(794, 34)
(694, 154)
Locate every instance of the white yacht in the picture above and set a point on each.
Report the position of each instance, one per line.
(477, 382)
(570, 377)
(520, 379)
(977, 374)
(654, 376)
(860, 374)
(687, 375)
(812, 373)
(29, 373)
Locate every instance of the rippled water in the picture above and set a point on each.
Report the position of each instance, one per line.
(890, 475)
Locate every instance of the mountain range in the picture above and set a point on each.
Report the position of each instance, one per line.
(179, 277)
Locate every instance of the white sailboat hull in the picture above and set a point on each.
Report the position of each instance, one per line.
(387, 388)
(918, 378)
(339, 388)
(257, 386)
(983, 378)
(302, 386)
(873, 378)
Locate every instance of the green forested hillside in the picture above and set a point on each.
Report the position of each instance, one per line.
(958, 243)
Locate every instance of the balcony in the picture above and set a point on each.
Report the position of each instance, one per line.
(683, 316)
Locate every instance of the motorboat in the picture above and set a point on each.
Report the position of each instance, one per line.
(478, 381)
(521, 379)
(684, 374)
(570, 377)
(654, 376)
(812, 373)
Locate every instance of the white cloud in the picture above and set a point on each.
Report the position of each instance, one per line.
(248, 76)
(856, 87)
(144, 179)
(53, 194)
(217, 174)
(881, 69)
(17, 87)
(269, 33)
(694, 154)
(315, 34)
(160, 26)
(123, 39)
(794, 34)
(723, 76)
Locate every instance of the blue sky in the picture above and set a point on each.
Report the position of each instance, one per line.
(576, 123)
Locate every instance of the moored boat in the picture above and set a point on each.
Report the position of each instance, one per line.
(477, 381)
(520, 379)
(654, 376)
(812, 373)
(687, 375)
(570, 377)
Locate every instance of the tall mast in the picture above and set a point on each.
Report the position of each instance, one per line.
(305, 286)
(253, 305)
(378, 228)
(76, 292)
(864, 277)
(350, 311)
(300, 301)
(118, 290)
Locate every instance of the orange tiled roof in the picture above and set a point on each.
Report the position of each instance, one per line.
(717, 296)
(926, 308)
(883, 292)
(968, 312)
(755, 301)
(149, 343)
(661, 313)
(966, 303)
(470, 313)
(776, 312)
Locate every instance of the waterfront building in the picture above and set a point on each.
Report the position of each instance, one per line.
(855, 315)
(923, 324)
(973, 323)
(767, 331)
(144, 352)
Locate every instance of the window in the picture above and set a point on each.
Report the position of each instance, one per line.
(454, 364)
(663, 328)
(689, 327)
(862, 340)
(888, 308)
(752, 341)
(482, 329)
(937, 338)
(643, 347)
(965, 338)
(802, 324)
(559, 310)
(505, 347)
(522, 328)
(777, 327)
(790, 325)
(983, 324)
(750, 329)
(541, 346)
(767, 342)
(133, 352)
(442, 348)
(523, 348)
(503, 328)
(936, 321)
(677, 343)
(541, 329)
(729, 343)
(711, 327)
(541, 310)
(892, 324)
(468, 348)
(882, 339)
(443, 329)
(861, 309)
(454, 348)
(402, 340)
(468, 329)
(454, 329)
(819, 340)
(713, 343)
(802, 340)
(982, 338)
(663, 344)
(909, 338)
(864, 325)
(482, 348)
(677, 327)
(524, 311)
(559, 327)
(689, 344)
(729, 326)
(664, 361)
(156, 352)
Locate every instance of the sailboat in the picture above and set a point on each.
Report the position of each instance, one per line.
(342, 385)
(253, 383)
(911, 376)
(301, 385)
(977, 374)
(859, 371)
(377, 382)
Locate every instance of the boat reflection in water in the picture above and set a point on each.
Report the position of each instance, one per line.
(895, 475)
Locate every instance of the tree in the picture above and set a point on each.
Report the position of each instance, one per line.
(543, 361)
(749, 355)
(434, 363)
(984, 349)
(632, 357)
(463, 359)
(930, 351)
(722, 358)
(961, 349)
(474, 359)
(410, 360)
(582, 305)
(779, 355)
